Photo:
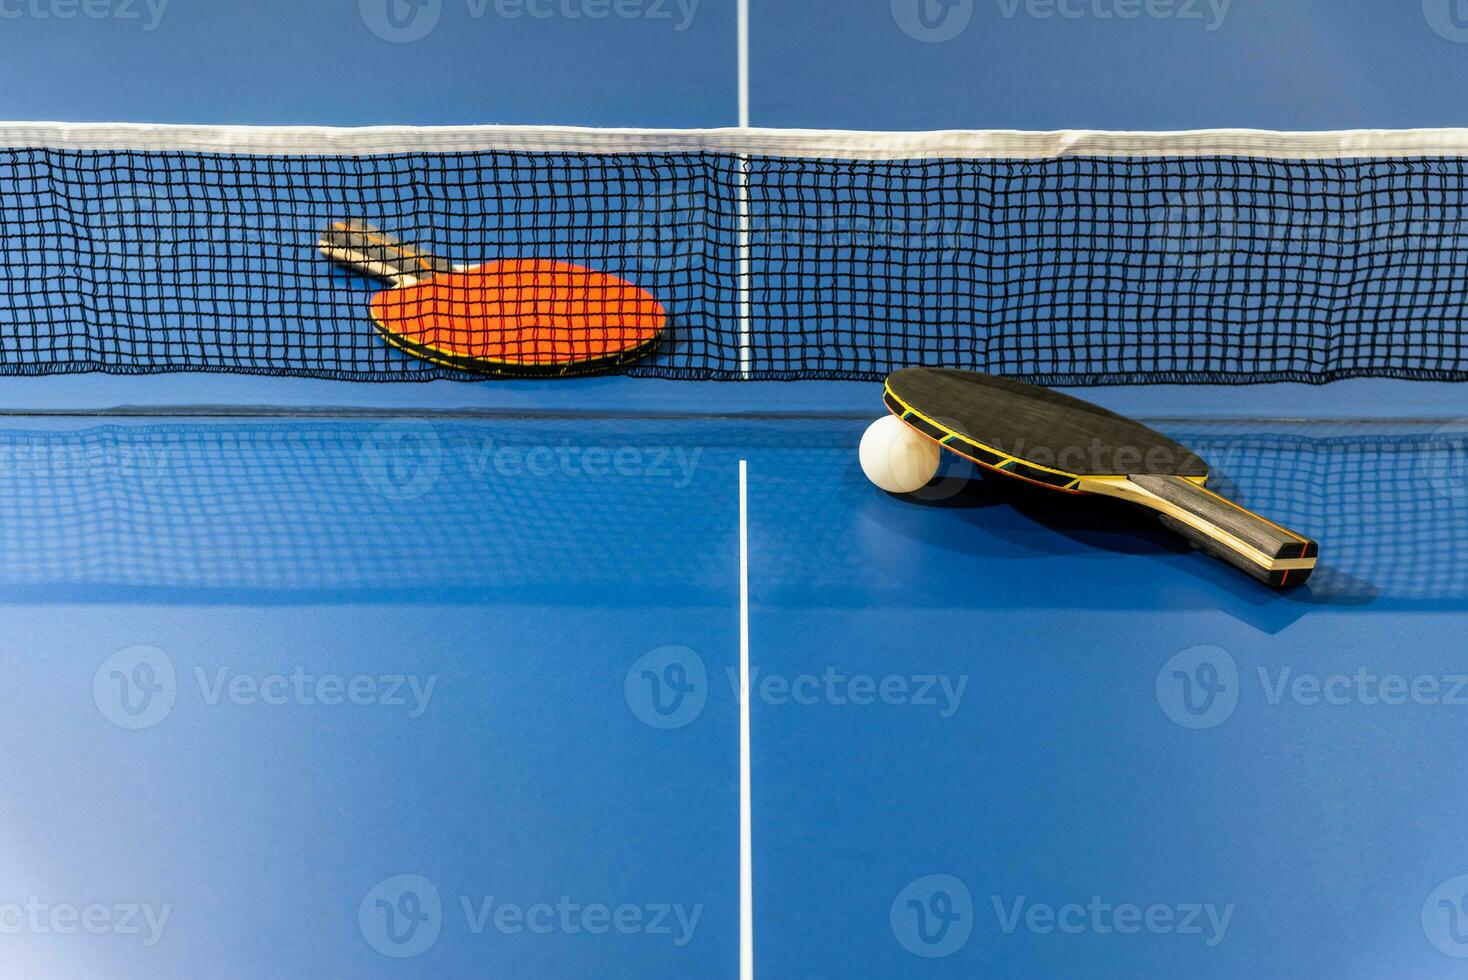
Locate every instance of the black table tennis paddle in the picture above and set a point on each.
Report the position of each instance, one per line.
(1066, 444)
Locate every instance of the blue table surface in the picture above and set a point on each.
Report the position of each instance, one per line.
(396, 682)
(441, 695)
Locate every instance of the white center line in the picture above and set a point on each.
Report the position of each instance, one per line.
(746, 837)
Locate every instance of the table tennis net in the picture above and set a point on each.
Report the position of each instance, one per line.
(1058, 258)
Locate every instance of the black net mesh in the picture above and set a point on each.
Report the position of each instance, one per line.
(1073, 270)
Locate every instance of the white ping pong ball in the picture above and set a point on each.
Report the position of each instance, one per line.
(896, 458)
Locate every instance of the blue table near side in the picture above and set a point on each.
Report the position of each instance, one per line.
(449, 695)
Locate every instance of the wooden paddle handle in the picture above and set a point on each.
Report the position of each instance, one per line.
(373, 252)
(1272, 554)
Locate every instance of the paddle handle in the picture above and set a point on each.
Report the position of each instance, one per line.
(373, 252)
(1272, 554)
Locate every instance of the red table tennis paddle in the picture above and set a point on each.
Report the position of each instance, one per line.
(513, 317)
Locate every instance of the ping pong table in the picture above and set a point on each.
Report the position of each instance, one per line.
(454, 691)
(312, 679)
